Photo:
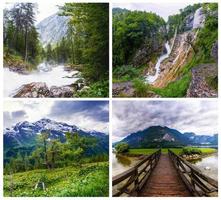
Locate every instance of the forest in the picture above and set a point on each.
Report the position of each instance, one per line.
(153, 57)
(52, 167)
(85, 46)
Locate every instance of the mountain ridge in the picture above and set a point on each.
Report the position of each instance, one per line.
(52, 29)
(22, 136)
(162, 136)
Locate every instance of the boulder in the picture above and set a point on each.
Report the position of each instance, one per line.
(39, 89)
(62, 91)
(33, 90)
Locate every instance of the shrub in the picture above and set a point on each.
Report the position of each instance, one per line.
(122, 147)
(141, 88)
(190, 151)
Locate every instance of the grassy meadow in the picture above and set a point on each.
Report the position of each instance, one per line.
(88, 180)
(165, 151)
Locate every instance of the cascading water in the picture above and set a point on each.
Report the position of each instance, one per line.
(51, 75)
(152, 78)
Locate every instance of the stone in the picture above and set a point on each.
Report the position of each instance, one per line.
(33, 90)
(62, 91)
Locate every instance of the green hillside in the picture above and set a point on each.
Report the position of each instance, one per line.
(85, 180)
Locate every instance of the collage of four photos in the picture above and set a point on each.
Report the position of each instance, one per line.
(110, 99)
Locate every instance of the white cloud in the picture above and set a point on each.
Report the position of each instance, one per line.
(200, 117)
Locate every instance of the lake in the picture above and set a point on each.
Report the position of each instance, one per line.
(208, 165)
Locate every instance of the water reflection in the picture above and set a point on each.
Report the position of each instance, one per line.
(208, 165)
(122, 163)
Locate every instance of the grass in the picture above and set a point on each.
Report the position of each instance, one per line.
(175, 89)
(89, 180)
(165, 151)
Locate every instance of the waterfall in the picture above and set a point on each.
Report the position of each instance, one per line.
(151, 79)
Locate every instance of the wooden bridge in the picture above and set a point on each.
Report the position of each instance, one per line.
(164, 175)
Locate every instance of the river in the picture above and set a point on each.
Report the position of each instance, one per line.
(208, 165)
(152, 78)
(52, 75)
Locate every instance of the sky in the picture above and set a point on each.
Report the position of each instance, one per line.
(44, 8)
(200, 117)
(88, 115)
(161, 9)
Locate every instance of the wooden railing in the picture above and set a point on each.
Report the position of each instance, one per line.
(197, 183)
(130, 182)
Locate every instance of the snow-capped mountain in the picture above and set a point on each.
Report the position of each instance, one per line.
(24, 133)
(52, 29)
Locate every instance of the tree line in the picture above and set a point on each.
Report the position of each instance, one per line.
(20, 35)
(52, 153)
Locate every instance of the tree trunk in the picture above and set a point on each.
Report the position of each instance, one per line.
(26, 44)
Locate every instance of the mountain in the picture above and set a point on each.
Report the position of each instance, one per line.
(158, 136)
(52, 29)
(22, 136)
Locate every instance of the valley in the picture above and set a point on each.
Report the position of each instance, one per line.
(164, 62)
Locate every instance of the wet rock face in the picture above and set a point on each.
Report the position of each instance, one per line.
(39, 89)
(214, 51)
(188, 22)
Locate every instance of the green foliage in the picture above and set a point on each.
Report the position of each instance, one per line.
(208, 35)
(53, 153)
(20, 34)
(98, 89)
(131, 29)
(141, 88)
(122, 147)
(190, 151)
(125, 73)
(175, 89)
(89, 24)
(213, 82)
(88, 180)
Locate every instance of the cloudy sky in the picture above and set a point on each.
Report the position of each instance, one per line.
(45, 8)
(200, 117)
(161, 9)
(88, 115)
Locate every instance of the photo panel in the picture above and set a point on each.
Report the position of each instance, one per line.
(56, 50)
(165, 49)
(165, 148)
(56, 148)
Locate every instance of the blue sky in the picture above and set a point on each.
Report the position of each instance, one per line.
(200, 117)
(88, 115)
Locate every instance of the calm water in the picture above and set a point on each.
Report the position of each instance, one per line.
(51, 75)
(121, 163)
(208, 165)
